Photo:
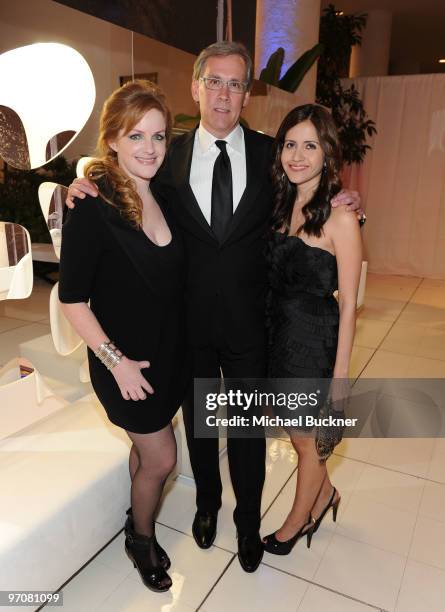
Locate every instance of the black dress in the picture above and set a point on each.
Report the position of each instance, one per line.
(303, 314)
(303, 319)
(135, 289)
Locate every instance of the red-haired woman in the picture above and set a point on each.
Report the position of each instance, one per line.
(123, 255)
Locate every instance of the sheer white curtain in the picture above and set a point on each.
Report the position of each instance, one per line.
(402, 181)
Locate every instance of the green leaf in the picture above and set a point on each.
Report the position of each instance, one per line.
(293, 77)
(271, 73)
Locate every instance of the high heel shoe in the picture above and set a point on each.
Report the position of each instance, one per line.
(164, 559)
(141, 551)
(274, 546)
(331, 504)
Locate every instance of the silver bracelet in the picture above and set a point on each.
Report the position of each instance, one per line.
(108, 355)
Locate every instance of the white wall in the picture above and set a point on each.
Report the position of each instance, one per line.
(402, 178)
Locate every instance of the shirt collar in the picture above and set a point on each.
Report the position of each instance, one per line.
(235, 139)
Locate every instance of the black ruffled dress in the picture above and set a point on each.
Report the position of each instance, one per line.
(303, 314)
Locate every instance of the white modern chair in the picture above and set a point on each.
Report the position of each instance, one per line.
(16, 273)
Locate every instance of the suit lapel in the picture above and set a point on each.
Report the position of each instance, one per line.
(181, 163)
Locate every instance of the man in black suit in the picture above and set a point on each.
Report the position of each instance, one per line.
(226, 275)
(216, 179)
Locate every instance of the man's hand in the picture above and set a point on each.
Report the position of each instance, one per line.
(78, 188)
(351, 199)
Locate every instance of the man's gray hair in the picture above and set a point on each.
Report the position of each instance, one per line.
(222, 49)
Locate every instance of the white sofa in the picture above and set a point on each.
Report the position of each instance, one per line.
(65, 488)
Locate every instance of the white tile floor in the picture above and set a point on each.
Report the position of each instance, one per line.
(387, 549)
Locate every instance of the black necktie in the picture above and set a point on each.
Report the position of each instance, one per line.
(222, 197)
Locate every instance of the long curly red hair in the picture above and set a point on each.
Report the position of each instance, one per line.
(121, 112)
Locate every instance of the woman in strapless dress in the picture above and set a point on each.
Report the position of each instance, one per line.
(313, 250)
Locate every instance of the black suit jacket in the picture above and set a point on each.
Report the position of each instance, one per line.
(227, 280)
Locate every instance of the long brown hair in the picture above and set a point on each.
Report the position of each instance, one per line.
(316, 212)
(121, 112)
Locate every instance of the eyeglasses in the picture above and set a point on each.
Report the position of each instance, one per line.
(233, 86)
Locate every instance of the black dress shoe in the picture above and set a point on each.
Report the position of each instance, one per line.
(204, 528)
(250, 551)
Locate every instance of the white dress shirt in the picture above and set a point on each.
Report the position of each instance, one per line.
(204, 156)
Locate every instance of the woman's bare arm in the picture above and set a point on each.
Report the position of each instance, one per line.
(85, 324)
(346, 238)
